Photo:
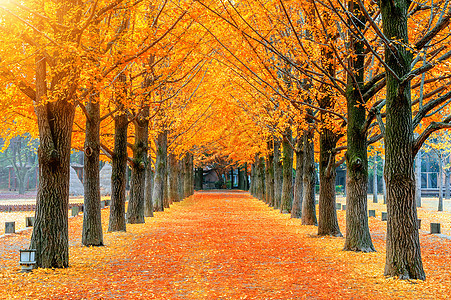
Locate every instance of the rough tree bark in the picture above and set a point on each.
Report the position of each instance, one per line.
(309, 180)
(55, 120)
(252, 183)
(148, 203)
(135, 209)
(278, 179)
(166, 199)
(296, 209)
(262, 178)
(375, 179)
(269, 174)
(440, 180)
(160, 171)
(118, 174)
(92, 234)
(403, 254)
(358, 236)
(327, 220)
(173, 176)
(191, 168)
(181, 170)
(287, 173)
(187, 181)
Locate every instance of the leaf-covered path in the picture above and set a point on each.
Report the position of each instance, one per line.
(214, 245)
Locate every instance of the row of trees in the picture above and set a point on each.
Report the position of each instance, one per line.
(355, 73)
(291, 80)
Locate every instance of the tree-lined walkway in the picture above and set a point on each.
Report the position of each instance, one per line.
(218, 245)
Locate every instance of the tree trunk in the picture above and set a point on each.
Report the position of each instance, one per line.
(181, 171)
(173, 176)
(92, 234)
(199, 178)
(55, 119)
(403, 254)
(358, 236)
(187, 181)
(252, 183)
(309, 181)
(160, 171)
(166, 200)
(191, 166)
(296, 210)
(246, 178)
(118, 175)
(440, 180)
(240, 178)
(262, 188)
(278, 176)
(327, 221)
(269, 174)
(148, 203)
(384, 185)
(418, 179)
(287, 174)
(447, 191)
(135, 209)
(375, 179)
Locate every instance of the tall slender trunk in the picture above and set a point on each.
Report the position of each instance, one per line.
(181, 171)
(309, 181)
(199, 178)
(135, 209)
(240, 178)
(278, 179)
(191, 165)
(447, 190)
(160, 171)
(403, 253)
(92, 234)
(269, 174)
(440, 181)
(148, 203)
(287, 173)
(375, 178)
(173, 176)
(118, 175)
(187, 181)
(358, 236)
(251, 184)
(261, 183)
(384, 185)
(296, 210)
(327, 221)
(246, 178)
(166, 200)
(418, 179)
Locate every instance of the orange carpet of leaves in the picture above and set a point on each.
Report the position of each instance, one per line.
(222, 245)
